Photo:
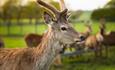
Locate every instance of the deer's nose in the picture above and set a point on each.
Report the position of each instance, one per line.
(82, 38)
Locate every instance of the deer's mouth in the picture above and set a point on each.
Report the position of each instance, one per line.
(80, 43)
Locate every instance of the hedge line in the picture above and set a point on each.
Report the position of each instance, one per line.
(107, 13)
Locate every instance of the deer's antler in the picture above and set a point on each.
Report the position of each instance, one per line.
(63, 8)
(62, 5)
(52, 9)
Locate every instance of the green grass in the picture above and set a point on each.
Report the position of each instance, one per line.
(88, 62)
(13, 42)
(85, 62)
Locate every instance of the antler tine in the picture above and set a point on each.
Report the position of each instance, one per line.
(54, 10)
(62, 5)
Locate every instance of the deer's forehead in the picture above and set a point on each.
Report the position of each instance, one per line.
(62, 22)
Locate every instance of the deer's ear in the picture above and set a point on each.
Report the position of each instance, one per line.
(47, 18)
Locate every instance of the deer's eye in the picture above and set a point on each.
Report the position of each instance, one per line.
(63, 28)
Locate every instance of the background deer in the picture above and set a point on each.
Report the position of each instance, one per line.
(59, 32)
(109, 40)
(108, 37)
(88, 30)
(32, 40)
(95, 41)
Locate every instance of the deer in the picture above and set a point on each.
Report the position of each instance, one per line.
(59, 32)
(96, 41)
(1, 43)
(87, 31)
(109, 38)
(109, 41)
(33, 40)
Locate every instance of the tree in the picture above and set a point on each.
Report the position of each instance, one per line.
(110, 4)
(108, 12)
(10, 8)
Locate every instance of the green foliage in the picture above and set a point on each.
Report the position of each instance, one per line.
(30, 10)
(76, 15)
(110, 4)
(107, 13)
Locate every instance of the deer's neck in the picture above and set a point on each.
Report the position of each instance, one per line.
(102, 31)
(99, 37)
(47, 50)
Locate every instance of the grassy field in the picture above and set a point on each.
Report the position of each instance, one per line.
(85, 62)
(42, 27)
(88, 62)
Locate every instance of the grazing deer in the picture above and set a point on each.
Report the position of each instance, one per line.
(59, 32)
(1, 43)
(95, 41)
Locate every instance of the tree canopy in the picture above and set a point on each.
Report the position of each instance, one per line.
(108, 12)
(14, 9)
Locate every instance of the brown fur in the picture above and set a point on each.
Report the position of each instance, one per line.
(87, 31)
(109, 39)
(24, 58)
(95, 41)
(33, 40)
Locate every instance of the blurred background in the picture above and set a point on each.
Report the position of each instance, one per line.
(21, 17)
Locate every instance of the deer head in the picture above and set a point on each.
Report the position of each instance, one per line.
(59, 24)
(88, 28)
(102, 26)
